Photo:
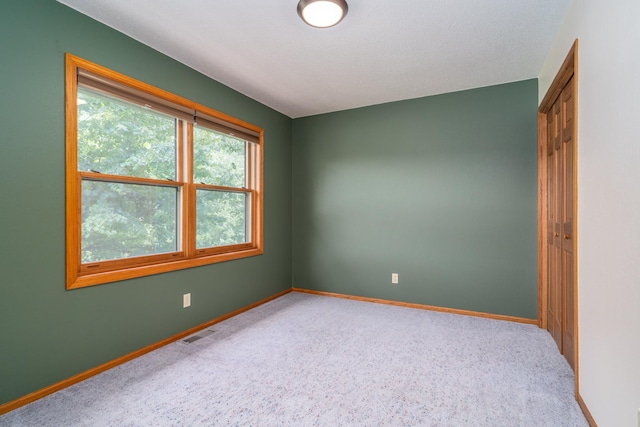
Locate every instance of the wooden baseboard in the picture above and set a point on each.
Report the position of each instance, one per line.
(422, 306)
(39, 394)
(585, 411)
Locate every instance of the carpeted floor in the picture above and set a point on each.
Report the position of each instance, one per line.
(307, 360)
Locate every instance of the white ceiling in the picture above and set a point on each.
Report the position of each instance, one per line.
(384, 50)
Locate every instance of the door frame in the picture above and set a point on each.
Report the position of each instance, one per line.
(568, 70)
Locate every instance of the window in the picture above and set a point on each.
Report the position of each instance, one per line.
(155, 182)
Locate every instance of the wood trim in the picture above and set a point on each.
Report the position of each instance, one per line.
(183, 172)
(164, 267)
(79, 275)
(123, 179)
(223, 249)
(72, 205)
(585, 411)
(543, 261)
(39, 394)
(221, 188)
(95, 267)
(259, 192)
(576, 217)
(421, 306)
(567, 69)
(190, 211)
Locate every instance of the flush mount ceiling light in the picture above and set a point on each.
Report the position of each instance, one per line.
(322, 13)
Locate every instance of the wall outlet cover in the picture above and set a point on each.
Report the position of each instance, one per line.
(186, 300)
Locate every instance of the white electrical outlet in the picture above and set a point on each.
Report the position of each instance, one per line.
(186, 300)
(394, 278)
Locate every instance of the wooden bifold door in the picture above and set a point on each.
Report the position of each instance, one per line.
(560, 223)
(557, 210)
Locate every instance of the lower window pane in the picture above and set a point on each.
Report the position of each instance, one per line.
(127, 220)
(220, 218)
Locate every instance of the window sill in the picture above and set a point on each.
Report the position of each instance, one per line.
(75, 280)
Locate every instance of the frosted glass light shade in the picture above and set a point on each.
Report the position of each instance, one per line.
(322, 13)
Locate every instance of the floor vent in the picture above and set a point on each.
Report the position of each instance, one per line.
(200, 335)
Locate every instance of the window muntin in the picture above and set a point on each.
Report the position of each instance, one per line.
(155, 182)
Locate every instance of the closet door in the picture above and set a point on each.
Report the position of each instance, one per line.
(560, 222)
(557, 209)
(568, 259)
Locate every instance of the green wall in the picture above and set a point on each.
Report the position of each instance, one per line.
(47, 333)
(441, 190)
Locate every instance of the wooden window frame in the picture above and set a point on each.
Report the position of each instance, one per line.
(81, 275)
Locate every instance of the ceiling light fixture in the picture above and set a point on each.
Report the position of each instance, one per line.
(322, 13)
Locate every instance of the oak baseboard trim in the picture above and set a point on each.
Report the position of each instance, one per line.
(585, 411)
(422, 306)
(39, 394)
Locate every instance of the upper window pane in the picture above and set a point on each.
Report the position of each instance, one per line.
(218, 159)
(120, 138)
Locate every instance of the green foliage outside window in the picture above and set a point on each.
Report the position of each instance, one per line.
(121, 219)
(127, 220)
(120, 138)
(219, 159)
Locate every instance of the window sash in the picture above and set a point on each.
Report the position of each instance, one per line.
(214, 198)
(115, 89)
(120, 211)
(172, 139)
(215, 181)
(202, 119)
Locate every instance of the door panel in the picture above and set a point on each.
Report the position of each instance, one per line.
(554, 317)
(568, 258)
(556, 249)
